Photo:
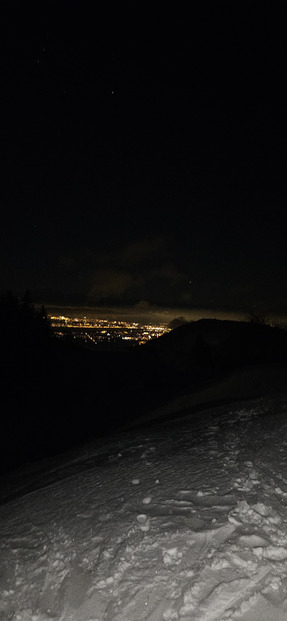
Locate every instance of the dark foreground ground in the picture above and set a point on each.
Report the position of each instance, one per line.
(55, 396)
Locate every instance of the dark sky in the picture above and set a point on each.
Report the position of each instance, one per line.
(144, 154)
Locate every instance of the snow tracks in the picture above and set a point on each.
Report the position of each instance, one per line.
(186, 522)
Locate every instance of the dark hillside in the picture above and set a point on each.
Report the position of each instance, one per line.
(55, 395)
(219, 344)
(218, 362)
(66, 395)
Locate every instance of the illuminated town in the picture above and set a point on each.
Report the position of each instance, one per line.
(103, 332)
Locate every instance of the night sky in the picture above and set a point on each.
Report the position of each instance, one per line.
(144, 155)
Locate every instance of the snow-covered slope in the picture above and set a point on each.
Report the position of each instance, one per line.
(185, 521)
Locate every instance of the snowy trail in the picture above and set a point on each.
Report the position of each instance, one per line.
(183, 522)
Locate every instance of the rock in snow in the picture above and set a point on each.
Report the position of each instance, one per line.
(184, 521)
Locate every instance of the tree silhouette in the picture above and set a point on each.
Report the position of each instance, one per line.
(258, 316)
(21, 325)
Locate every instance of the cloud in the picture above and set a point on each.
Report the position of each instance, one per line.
(110, 283)
(169, 273)
(149, 284)
(141, 270)
(145, 250)
(66, 261)
(177, 321)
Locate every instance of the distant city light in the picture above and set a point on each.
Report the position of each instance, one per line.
(100, 331)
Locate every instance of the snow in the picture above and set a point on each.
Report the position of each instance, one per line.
(185, 520)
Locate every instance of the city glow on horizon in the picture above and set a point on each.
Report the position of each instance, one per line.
(106, 331)
(143, 313)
